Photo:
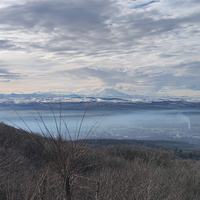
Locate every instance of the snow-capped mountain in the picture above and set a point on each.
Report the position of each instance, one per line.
(106, 95)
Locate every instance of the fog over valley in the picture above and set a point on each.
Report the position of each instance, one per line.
(176, 119)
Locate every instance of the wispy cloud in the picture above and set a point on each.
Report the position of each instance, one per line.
(6, 76)
(132, 44)
(154, 78)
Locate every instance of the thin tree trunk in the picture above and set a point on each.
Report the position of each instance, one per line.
(68, 189)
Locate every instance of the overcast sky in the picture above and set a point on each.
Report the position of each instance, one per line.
(76, 46)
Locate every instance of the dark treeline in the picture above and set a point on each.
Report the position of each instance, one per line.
(38, 167)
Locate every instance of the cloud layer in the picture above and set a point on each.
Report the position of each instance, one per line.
(137, 47)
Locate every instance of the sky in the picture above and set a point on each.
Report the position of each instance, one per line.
(139, 47)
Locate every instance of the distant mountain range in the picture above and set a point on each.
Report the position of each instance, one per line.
(103, 99)
(105, 93)
(39, 95)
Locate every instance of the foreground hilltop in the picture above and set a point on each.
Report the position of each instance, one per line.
(38, 167)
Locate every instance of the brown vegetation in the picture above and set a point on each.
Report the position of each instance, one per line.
(35, 167)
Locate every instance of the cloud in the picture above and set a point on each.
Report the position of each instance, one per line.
(75, 26)
(110, 76)
(162, 55)
(122, 43)
(190, 68)
(140, 77)
(144, 4)
(52, 14)
(7, 45)
(6, 76)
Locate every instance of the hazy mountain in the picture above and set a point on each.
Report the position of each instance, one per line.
(39, 95)
(106, 93)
